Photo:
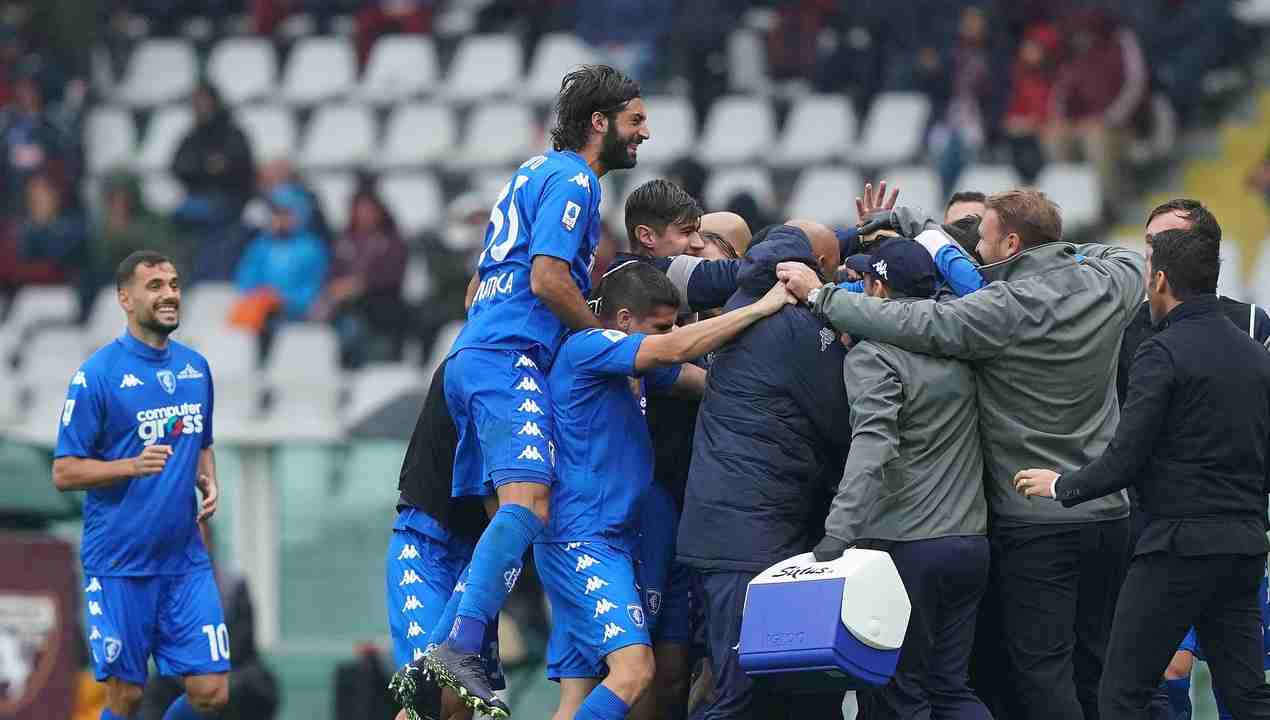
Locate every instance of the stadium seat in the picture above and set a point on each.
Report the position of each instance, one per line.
(270, 130)
(303, 373)
(110, 139)
(48, 363)
(416, 285)
(375, 386)
(555, 55)
(319, 69)
(498, 133)
(231, 355)
(894, 130)
(820, 129)
(918, 185)
(161, 192)
(205, 309)
(738, 129)
(989, 178)
(159, 71)
(334, 191)
(416, 135)
(723, 185)
(400, 67)
(36, 306)
(168, 127)
(441, 345)
(674, 130)
(826, 195)
(747, 62)
(1076, 189)
(339, 136)
(414, 199)
(106, 320)
(244, 69)
(483, 66)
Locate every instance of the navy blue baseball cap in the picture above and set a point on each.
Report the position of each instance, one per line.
(904, 265)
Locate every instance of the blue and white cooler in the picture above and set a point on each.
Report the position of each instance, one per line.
(819, 626)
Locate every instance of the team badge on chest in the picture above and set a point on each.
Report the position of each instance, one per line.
(167, 380)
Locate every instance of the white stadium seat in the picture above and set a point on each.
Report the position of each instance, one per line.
(168, 127)
(334, 192)
(1076, 189)
(555, 55)
(826, 195)
(918, 185)
(989, 178)
(377, 385)
(270, 130)
(894, 130)
(205, 309)
(400, 67)
(161, 192)
(303, 372)
(498, 133)
(441, 345)
(159, 71)
(110, 139)
(105, 319)
(483, 66)
(739, 128)
(819, 129)
(319, 69)
(674, 130)
(414, 199)
(723, 185)
(747, 61)
(418, 134)
(243, 69)
(49, 361)
(231, 355)
(339, 136)
(36, 306)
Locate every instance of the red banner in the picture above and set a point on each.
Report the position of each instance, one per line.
(39, 603)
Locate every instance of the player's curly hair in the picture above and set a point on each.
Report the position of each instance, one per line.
(587, 90)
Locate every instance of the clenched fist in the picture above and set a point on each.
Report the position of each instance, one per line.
(152, 460)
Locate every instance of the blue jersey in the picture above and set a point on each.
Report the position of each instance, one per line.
(604, 458)
(551, 206)
(127, 396)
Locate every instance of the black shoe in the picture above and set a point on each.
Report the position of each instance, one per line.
(415, 691)
(464, 673)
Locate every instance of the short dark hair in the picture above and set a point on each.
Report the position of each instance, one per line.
(1028, 213)
(588, 89)
(636, 285)
(128, 268)
(1190, 260)
(965, 196)
(658, 203)
(1200, 217)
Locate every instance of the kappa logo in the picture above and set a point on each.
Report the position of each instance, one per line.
(414, 630)
(528, 385)
(611, 630)
(581, 180)
(573, 546)
(79, 379)
(551, 448)
(94, 607)
(530, 428)
(167, 379)
(654, 601)
(880, 268)
(112, 647)
(529, 406)
(571, 213)
(409, 577)
(130, 381)
(524, 361)
(95, 634)
(602, 606)
(93, 586)
(412, 603)
(189, 373)
(636, 614)
(409, 552)
(826, 339)
(510, 577)
(584, 562)
(594, 583)
(530, 453)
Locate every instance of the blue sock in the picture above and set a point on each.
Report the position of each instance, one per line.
(495, 568)
(180, 709)
(445, 623)
(602, 704)
(1179, 697)
(106, 714)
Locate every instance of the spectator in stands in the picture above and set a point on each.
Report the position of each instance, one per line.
(363, 297)
(1031, 99)
(282, 271)
(52, 230)
(126, 225)
(214, 163)
(957, 137)
(30, 142)
(276, 173)
(380, 17)
(1101, 86)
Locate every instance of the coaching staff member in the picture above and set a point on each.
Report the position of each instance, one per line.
(1195, 440)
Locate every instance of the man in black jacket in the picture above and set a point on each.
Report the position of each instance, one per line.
(770, 440)
(1194, 437)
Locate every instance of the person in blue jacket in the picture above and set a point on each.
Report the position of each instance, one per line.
(287, 258)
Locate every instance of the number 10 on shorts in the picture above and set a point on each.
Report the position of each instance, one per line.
(217, 641)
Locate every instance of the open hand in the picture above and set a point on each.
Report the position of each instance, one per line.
(775, 299)
(211, 494)
(871, 203)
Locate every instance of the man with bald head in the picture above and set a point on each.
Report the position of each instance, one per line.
(724, 236)
(769, 446)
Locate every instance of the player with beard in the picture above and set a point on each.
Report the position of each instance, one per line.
(529, 291)
(136, 434)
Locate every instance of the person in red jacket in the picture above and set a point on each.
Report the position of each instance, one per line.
(1031, 98)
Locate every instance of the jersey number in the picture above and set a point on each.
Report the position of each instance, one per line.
(498, 250)
(217, 641)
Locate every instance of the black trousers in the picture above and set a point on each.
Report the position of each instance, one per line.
(1056, 589)
(1163, 596)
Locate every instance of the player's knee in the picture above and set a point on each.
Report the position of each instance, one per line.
(123, 698)
(534, 496)
(208, 694)
(1180, 666)
(631, 671)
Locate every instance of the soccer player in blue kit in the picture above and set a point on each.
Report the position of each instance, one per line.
(136, 434)
(604, 468)
(530, 288)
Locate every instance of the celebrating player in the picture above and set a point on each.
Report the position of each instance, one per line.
(136, 433)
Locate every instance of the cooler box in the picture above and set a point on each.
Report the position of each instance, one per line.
(819, 626)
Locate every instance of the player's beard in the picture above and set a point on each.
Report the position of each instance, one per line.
(614, 152)
(158, 327)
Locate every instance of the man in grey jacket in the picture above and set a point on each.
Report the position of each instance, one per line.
(913, 486)
(1043, 337)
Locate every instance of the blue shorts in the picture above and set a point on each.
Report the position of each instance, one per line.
(1191, 643)
(175, 618)
(595, 607)
(665, 584)
(500, 405)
